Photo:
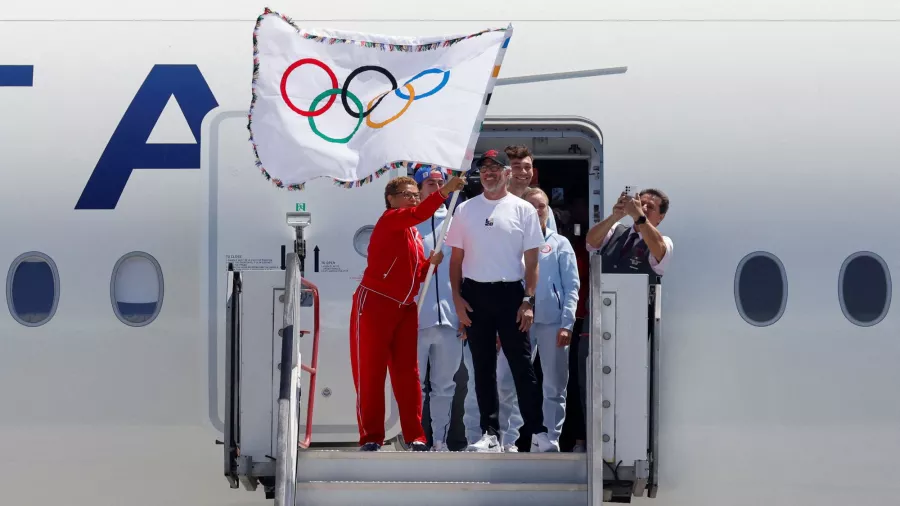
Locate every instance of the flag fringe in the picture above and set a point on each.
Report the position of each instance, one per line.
(329, 40)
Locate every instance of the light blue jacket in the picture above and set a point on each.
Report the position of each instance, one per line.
(557, 289)
(437, 303)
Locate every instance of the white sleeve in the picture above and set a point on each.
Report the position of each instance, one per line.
(609, 234)
(531, 228)
(455, 229)
(660, 267)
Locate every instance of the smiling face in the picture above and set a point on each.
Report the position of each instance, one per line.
(494, 176)
(404, 196)
(521, 173)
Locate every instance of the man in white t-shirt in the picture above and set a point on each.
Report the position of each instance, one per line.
(493, 275)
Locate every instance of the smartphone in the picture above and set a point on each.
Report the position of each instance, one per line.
(628, 190)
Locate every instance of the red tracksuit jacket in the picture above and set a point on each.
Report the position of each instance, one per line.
(396, 259)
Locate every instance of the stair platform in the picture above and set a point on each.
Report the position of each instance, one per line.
(444, 493)
(425, 467)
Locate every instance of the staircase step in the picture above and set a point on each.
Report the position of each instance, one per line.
(439, 493)
(461, 467)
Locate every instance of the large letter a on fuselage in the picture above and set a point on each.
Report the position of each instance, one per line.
(128, 149)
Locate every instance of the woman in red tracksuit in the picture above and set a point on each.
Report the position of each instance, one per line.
(384, 321)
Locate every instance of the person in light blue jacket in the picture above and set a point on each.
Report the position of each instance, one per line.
(440, 342)
(556, 299)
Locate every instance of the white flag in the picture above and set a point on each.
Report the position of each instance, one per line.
(351, 106)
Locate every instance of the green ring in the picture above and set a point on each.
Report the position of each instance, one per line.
(328, 93)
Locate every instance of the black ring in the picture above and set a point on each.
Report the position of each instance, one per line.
(355, 73)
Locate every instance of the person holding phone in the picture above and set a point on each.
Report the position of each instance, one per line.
(384, 320)
(638, 249)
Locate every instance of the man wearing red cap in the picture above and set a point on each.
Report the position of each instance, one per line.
(384, 319)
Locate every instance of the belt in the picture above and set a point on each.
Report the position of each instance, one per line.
(519, 282)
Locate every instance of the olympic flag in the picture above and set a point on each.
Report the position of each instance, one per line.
(351, 106)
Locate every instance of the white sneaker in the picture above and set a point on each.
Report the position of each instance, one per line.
(487, 444)
(579, 448)
(438, 446)
(540, 443)
(510, 448)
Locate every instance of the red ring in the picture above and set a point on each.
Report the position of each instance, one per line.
(284, 78)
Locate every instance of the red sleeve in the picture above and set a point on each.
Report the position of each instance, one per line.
(406, 217)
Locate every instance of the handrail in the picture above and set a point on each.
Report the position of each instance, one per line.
(313, 368)
(288, 402)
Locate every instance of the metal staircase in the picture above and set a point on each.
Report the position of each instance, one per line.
(263, 445)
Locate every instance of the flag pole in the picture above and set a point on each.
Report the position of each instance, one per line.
(437, 248)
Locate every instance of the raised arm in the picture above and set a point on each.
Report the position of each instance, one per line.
(406, 217)
(398, 219)
(601, 231)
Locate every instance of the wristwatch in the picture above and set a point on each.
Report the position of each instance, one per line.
(641, 220)
(529, 300)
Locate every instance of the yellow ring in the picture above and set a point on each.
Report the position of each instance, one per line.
(412, 96)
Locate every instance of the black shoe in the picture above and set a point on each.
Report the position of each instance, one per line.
(418, 446)
(370, 447)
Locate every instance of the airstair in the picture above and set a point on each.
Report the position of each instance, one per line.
(268, 447)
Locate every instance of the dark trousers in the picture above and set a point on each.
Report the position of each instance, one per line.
(494, 310)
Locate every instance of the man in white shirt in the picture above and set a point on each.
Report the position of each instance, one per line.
(493, 274)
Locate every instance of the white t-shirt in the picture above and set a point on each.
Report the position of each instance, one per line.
(494, 235)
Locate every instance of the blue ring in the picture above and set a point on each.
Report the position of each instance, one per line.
(436, 89)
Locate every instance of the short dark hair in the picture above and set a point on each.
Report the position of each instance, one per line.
(664, 199)
(394, 186)
(518, 152)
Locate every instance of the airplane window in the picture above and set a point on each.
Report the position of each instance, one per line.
(760, 288)
(864, 288)
(32, 289)
(361, 240)
(136, 289)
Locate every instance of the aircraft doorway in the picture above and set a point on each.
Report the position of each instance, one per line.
(567, 157)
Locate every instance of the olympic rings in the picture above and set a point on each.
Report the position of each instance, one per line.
(312, 112)
(332, 93)
(436, 89)
(357, 72)
(409, 101)
(360, 113)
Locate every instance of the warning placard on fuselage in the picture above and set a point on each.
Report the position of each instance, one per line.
(242, 263)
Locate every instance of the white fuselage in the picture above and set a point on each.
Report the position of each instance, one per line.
(774, 136)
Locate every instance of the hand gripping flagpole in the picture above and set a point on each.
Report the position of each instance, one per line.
(437, 248)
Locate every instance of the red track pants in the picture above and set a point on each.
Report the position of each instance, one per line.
(384, 336)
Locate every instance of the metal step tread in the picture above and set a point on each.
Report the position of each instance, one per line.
(449, 485)
(395, 454)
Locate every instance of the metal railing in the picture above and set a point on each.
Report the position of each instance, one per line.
(314, 363)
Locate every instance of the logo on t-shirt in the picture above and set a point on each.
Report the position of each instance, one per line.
(546, 248)
(488, 222)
